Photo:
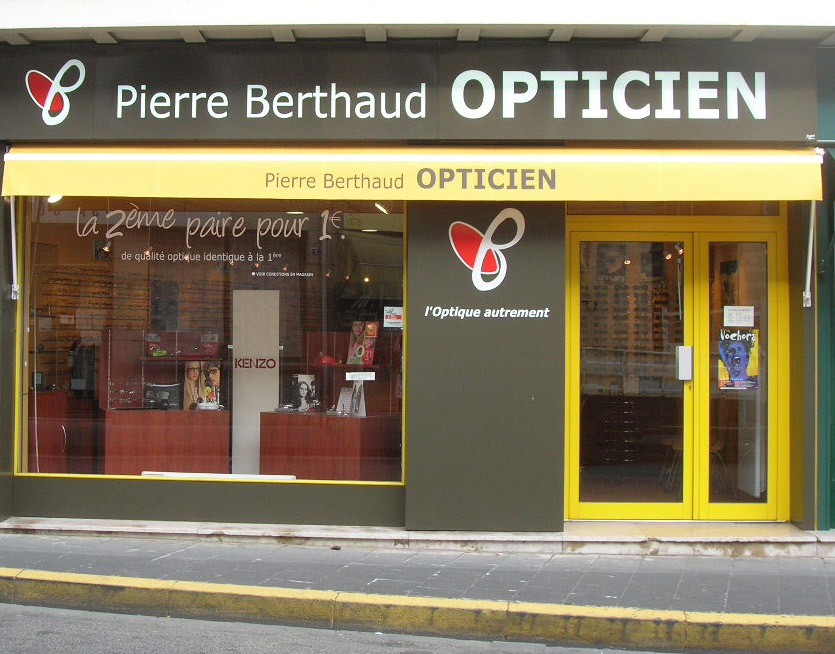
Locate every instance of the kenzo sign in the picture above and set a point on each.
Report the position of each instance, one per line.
(249, 362)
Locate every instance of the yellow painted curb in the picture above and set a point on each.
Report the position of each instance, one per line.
(92, 592)
(595, 625)
(521, 621)
(311, 608)
(761, 633)
(7, 577)
(415, 615)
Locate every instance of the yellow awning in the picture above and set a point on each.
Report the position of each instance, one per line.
(415, 173)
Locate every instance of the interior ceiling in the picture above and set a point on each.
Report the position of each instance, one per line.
(377, 33)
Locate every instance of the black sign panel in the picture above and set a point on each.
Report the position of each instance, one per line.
(408, 91)
(485, 360)
(613, 91)
(826, 95)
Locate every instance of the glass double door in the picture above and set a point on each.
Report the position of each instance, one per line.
(673, 360)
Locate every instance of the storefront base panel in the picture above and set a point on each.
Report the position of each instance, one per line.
(265, 503)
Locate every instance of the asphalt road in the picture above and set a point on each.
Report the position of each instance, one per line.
(36, 630)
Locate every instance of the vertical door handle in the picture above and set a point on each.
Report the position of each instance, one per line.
(684, 362)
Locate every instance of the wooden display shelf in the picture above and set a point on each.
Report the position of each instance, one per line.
(319, 446)
(181, 357)
(138, 440)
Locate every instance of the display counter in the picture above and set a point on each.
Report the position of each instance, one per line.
(321, 446)
(168, 441)
(48, 421)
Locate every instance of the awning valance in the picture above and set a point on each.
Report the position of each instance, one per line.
(415, 173)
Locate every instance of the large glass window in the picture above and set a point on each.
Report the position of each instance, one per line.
(178, 337)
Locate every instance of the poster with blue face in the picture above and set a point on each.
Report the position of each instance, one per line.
(739, 359)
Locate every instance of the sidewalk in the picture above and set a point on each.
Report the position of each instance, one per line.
(661, 586)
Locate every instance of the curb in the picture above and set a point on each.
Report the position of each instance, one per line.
(552, 624)
(743, 543)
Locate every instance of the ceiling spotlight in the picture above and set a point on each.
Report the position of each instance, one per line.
(370, 231)
(54, 198)
(106, 247)
(366, 279)
(627, 262)
(381, 207)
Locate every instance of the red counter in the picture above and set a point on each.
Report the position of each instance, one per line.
(166, 441)
(318, 446)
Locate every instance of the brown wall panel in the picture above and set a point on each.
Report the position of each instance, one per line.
(485, 395)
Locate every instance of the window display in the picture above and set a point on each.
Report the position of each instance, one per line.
(214, 336)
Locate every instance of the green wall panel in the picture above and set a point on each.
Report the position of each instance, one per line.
(485, 400)
(206, 501)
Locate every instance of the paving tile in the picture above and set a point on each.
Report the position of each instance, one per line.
(523, 561)
(390, 587)
(556, 578)
(617, 563)
(651, 590)
(570, 562)
(420, 573)
(385, 557)
(752, 594)
(552, 594)
(800, 603)
(707, 592)
(434, 558)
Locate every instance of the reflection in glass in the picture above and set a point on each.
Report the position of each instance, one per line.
(738, 372)
(131, 325)
(631, 435)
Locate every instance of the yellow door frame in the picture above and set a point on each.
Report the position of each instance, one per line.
(778, 391)
(697, 232)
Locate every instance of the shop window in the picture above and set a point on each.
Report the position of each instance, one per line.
(214, 338)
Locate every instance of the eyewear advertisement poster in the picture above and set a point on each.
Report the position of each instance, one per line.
(304, 393)
(739, 359)
(201, 386)
(352, 400)
(363, 343)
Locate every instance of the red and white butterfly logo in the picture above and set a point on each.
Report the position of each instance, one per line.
(480, 254)
(51, 94)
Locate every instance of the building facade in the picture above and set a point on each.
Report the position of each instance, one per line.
(424, 283)
(824, 304)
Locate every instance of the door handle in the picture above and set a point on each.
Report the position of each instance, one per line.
(684, 362)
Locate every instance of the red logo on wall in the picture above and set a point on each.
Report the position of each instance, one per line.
(480, 254)
(51, 94)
